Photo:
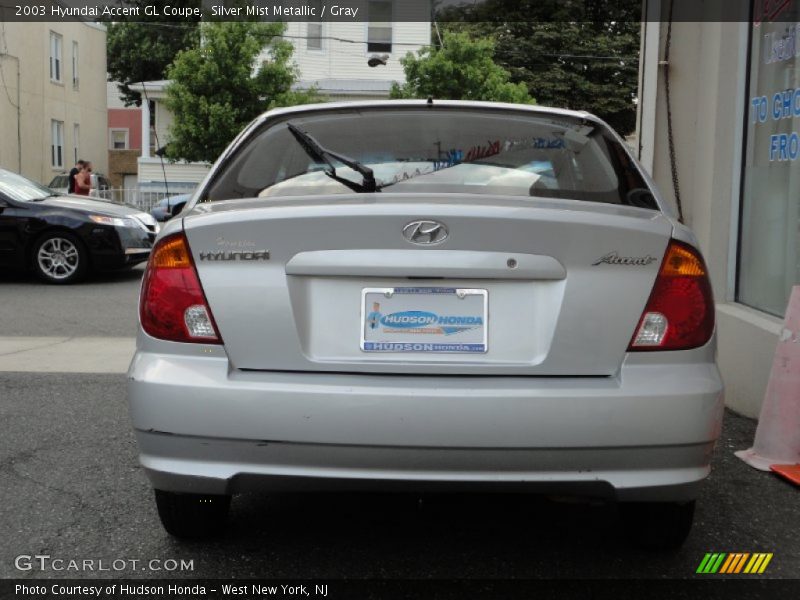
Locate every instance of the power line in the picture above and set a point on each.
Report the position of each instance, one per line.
(298, 37)
(414, 44)
(590, 56)
(345, 40)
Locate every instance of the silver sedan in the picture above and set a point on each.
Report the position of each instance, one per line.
(427, 296)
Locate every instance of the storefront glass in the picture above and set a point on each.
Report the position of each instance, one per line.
(769, 250)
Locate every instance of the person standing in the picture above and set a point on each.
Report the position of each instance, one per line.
(83, 180)
(72, 174)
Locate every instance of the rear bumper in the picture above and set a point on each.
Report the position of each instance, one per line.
(646, 434)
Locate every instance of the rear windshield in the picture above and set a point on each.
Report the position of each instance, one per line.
(435, 150)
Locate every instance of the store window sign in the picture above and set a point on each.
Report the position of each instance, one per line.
(779, 47)
(769, 244)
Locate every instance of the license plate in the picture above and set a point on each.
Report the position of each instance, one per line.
(424, 320)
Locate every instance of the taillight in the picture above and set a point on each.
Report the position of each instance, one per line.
(172, 305)
(680, 312)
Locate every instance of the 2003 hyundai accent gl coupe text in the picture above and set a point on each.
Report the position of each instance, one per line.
(427, 296)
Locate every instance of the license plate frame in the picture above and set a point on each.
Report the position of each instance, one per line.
(399, 339)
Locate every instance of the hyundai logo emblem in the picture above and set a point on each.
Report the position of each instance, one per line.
(425, 233)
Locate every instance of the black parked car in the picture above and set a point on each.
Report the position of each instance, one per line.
(63, 237)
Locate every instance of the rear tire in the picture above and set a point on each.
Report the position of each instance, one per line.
(192, 516)
(659, 526)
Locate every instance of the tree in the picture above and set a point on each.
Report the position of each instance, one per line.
(218, 88)
(463, 68)
(142, 51)
(580, 55)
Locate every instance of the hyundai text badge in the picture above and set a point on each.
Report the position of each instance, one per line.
(425, 233)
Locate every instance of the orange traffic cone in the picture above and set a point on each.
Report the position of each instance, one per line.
(790, 472)
(777, 443)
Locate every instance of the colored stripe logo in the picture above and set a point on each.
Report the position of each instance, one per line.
(734, 562)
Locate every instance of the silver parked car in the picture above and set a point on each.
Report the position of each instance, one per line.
(101, 188)
(427, 296)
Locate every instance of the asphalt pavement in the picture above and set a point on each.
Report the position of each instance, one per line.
(71, 488)
(88, 327)
(104, 305)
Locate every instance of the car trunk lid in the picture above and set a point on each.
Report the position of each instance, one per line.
(560, 285)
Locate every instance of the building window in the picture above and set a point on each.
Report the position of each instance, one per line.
(75, 59)
(314, 30)
(379, 28)
(314, 36)
(56, 42)
(57, 144)
(769, 236)
(76, 142)
(118, 139)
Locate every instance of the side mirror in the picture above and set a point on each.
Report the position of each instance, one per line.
(177, 208)
(642, 198)
(3, 203)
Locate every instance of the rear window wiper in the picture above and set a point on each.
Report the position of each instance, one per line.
(318, 152)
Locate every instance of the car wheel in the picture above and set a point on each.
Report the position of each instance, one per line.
(59, 257)
(657, 525)
(192, 516)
